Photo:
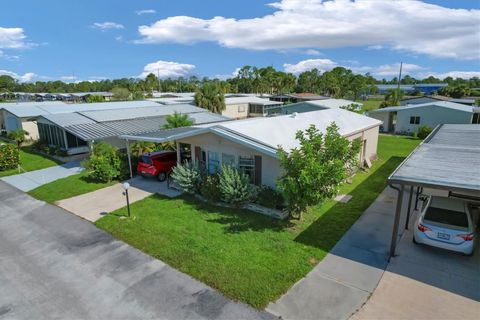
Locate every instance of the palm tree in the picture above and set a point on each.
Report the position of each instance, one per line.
(18, 136)
(141, 147)
(392, 98)
(177, 120)
(211, 97)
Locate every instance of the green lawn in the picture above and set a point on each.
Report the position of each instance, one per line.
(29, 161)
(66, 188)
(247, 256)
(371, 104)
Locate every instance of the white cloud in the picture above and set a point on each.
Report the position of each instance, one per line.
(9, 57)
(388, 70)
(409, 25)
(27, 77)
(309, 64)
(375, 47)
(146, 11)
(312, 52)
(453, 74)
(13, 38)
(104, 26)
(167, 69)
(68, 78)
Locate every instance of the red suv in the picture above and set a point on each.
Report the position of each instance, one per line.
(157, 164)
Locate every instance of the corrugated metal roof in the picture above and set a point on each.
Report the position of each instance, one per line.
(446, 160)
(332, 103)
(250, 99)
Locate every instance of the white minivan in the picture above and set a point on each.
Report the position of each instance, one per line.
(447, 223)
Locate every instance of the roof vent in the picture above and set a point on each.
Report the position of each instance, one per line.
(294, 115)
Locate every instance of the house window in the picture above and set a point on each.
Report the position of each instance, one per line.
(256, 108)
(247, 165)
(476, 118)
(228, 160)
(241, 108)
(213, 162)
(414, 120)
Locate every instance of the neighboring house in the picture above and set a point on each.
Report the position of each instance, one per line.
(426, 99)
(309, 106)
(74, 132)
(407, 119)
(251, 144)
(248, 106)
(297, 97)
(23, 115)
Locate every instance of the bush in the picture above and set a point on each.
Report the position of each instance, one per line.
(188, 177)
(104, 163)
(423, 131)
(235, 186)
(269, 197)
(9, 157)
(210, 188)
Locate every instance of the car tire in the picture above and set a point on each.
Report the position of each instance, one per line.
(162, 176)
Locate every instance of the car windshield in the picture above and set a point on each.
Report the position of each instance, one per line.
(146, 160)
(446, 216)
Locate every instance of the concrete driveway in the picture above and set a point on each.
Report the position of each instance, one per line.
(94, 205)
(426, 283)
(54, 265)
(33, 179)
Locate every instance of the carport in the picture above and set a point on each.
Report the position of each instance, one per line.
(447, 163)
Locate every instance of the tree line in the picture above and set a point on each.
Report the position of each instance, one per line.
(338, 83)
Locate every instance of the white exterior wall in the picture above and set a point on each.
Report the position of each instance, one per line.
(32, 128)
(382, 116)
(234, 111)
(211, 142)
(370, 138)
(430, 116)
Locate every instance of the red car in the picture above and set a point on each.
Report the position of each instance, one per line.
(157, 164)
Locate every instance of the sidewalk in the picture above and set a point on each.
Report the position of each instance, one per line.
(343, 281)
(93, 205)
(33, 179)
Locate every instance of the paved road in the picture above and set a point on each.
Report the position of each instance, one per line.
(55, 265)
(33, 179)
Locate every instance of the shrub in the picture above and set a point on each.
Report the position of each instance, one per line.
(9, 157)
(269, 197)
(235, 186)
(423, 131)
(104, 163)
(188, 177)
(210, 188)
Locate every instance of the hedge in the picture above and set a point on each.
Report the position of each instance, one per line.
(9, 157)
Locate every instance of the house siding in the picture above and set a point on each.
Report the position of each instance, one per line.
(234, 111)
(430, 116)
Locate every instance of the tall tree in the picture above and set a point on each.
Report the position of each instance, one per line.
(210, 96)
(177, 120)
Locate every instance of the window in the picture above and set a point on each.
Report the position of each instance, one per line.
(228, 160)
(414, 120)
(213, 162)
(446, 216)
(241, 108)
(256, 108)
(247, 165)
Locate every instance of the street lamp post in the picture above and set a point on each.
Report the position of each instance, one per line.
(126, 186)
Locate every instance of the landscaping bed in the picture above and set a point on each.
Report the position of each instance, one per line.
(247, 256)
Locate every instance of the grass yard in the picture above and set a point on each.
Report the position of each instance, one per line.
(30, 161)
(66, 188)
(371, 104)
(246, 256)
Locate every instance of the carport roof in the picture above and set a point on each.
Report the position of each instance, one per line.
(449, 159)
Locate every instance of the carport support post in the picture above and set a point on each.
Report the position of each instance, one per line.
(416, 198)
(177, 145)
(407, 220)
(129, 158)
(398, 211)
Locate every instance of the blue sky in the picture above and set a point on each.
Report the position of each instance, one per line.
(88, 40)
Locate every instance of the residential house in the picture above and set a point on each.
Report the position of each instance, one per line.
(308, 106)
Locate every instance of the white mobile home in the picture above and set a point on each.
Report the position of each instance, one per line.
(252, 144)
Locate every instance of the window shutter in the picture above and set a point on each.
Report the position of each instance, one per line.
(258, 170)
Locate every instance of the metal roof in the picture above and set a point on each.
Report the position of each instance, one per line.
(448, 159)
(440, 104)
(331, 103)
(31, 110)
(266, 134)
(250, 99)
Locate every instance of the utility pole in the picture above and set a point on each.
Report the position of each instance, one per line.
(158, 79)
(399, 76)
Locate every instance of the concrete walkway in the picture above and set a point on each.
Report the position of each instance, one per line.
(33, 179)
(343, 281)
(93, 205)
(54, 265)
